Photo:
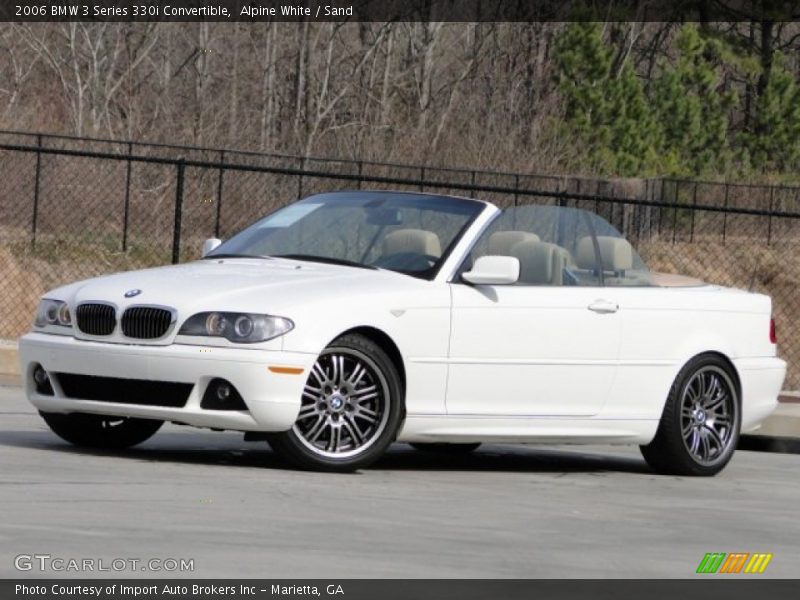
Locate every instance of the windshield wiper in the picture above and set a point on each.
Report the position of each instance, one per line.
(234, 255)
(326, 259)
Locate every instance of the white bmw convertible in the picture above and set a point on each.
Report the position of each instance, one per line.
(347, 321)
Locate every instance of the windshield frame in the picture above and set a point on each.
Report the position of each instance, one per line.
(477, 208)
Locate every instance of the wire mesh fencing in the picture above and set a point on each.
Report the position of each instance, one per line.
(73, 208)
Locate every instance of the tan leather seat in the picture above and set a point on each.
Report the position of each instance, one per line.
(616, 254)
(415, 241)
(540, 263)
(501, 242)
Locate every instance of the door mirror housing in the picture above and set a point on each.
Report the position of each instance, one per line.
(209, 245)
(493, 270)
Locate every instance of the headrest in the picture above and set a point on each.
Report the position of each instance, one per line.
(501, 242)
(537, 261)
(416, 241)
(616, 253)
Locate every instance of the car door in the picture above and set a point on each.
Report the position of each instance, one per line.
(546, 346)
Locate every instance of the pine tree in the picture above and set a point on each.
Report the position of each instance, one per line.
(692, 108)
(774, 142)
(606, 112)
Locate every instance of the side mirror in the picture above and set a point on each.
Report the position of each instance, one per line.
(209, 245)
(493, 270)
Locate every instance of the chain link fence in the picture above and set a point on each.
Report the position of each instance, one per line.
(73, 208)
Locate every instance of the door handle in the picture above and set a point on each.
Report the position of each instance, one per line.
(603, 307)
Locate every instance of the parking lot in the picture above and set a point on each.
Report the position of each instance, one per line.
(520, 512)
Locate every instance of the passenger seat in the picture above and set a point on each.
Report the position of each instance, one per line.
(414, 241)
(501, 242)
(616, 255)
(540, 263)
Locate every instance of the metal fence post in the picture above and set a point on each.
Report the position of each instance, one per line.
(472, 183)
(219, 192)
(36, 190)
(421, 179)
(176, 234)
(694, 212)
(675, 213)
(360, 173)
(769, 217)
(300, 177)
(725, 214)
(127, 200)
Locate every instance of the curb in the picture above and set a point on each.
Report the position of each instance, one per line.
(9, 361)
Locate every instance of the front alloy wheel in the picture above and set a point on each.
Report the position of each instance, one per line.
(350, 411)
(699, 429)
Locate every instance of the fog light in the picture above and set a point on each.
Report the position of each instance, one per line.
(222, 395)
(42, 381)
(223, 391)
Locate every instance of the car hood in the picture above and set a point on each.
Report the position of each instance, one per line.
(248, 285)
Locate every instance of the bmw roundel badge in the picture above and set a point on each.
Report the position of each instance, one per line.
(132, 293)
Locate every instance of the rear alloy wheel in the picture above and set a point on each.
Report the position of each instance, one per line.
(350, 412)
(100, 431)
(700, 426)
(445, 448)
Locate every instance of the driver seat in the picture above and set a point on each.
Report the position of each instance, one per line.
(414, 241)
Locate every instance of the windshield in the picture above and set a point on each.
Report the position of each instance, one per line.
(408, 233)
(562, 246)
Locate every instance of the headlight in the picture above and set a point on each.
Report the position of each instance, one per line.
(53, 312)
(241, 328)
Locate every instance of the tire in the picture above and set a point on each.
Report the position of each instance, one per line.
(351, 409)
(441, 448)
(699, 429)
(100, 431)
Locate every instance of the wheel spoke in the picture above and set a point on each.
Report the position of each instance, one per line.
(312, 435)
(722, 420)
(692, 393)
(362, 395)
(712, 404)
(312, 393)
(334, 378)
(319, 374)
(695, 443)
(355, 433)
(357, 375)
(335, 438)
(367, 414)
(309, 410)
(715, 437)
(702, 445)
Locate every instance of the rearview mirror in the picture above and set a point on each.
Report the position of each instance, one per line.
(493, 270)
(384, 217)
(209, 245)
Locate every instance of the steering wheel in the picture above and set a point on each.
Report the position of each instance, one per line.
(406, 261)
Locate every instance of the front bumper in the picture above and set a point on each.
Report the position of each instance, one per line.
(272, 398)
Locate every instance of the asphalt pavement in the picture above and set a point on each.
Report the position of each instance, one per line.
(235, 510)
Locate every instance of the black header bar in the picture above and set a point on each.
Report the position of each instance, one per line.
(260, 11)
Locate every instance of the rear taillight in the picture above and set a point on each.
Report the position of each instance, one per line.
(773, 334)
